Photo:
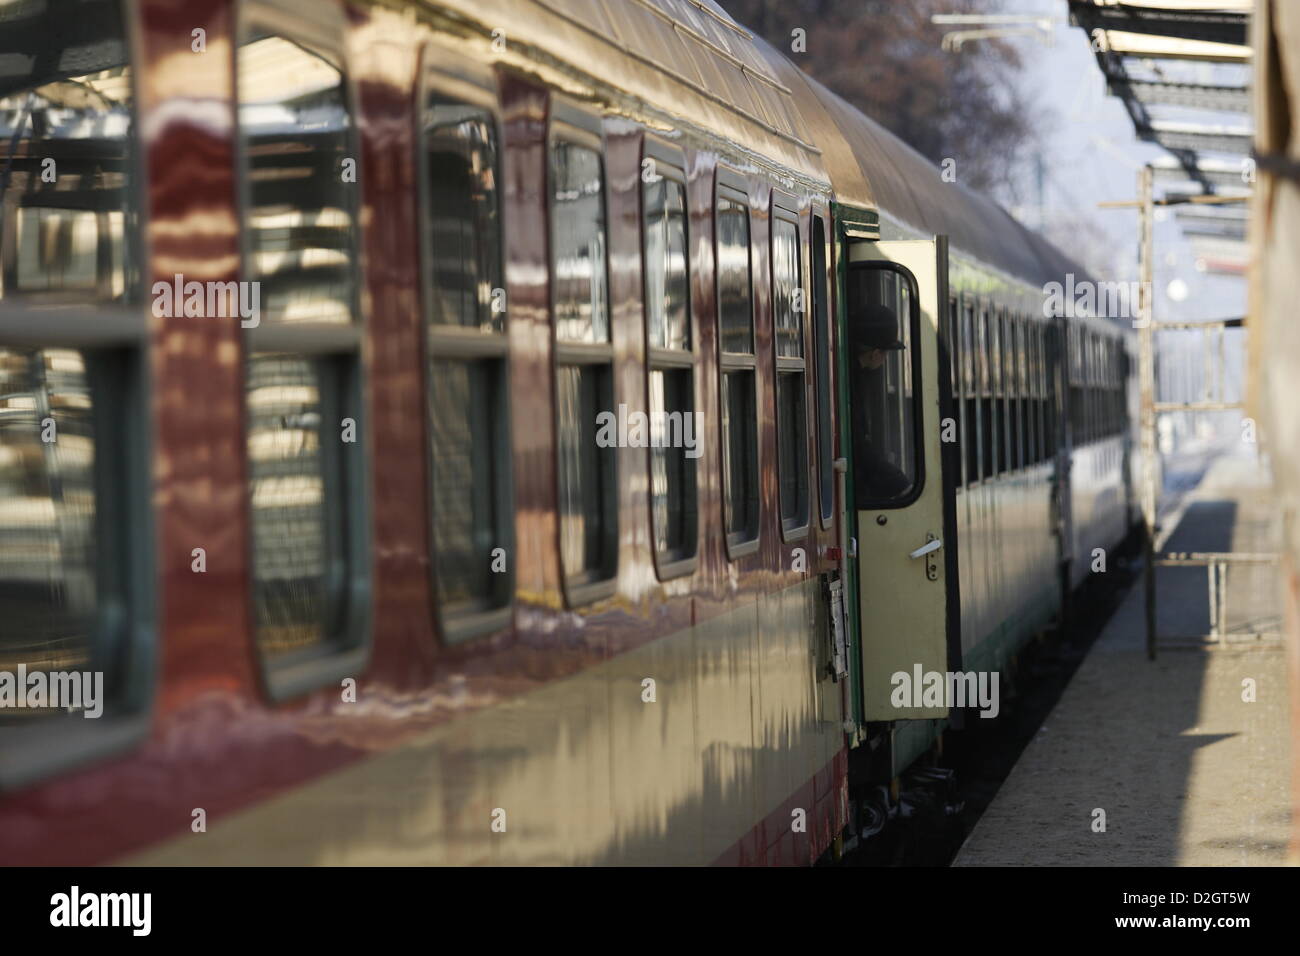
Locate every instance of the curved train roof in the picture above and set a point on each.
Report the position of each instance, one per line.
(689, 61)
(870, 166)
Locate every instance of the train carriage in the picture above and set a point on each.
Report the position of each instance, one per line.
(456, 411)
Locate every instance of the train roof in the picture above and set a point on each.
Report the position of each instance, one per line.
(690, 62)
(684, 63)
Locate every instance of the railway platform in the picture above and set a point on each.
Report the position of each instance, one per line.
(1183, 764)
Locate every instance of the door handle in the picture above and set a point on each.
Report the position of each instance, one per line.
(934, 544)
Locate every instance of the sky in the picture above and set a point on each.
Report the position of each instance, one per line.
(1092, 154)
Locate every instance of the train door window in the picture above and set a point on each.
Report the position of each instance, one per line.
(822, 343)
(305, 442)
(671, 370)
(738, 379)
(466, 392)
(584, 363)
(884, 318)
(76, 568)
(971, 392)
(788, 310)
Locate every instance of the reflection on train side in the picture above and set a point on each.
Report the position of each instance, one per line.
(300, 220)
(63, 159)
(66, 212)
(469, 447)
(47, 513)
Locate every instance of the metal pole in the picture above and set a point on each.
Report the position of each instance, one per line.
(1147, 377)
(1212, 579)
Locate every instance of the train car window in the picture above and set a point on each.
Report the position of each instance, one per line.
(1036, 389)
(467, 394)
(1008, 326)
(1000, 350)
(1045, 390)
(1089, 389)
(883, 319)
(822, 343)
(588, 508)
(1117, 364)
(987, 420)
(305, 444)
(1117, 388)
(738, 379)
(1006, 323)
(959, 411)
(1112, 365)
(1074, 379)
(971, 392)
(788, 309)
(1051, 400)
(1022, 401)
(671, 371)
(76, 560)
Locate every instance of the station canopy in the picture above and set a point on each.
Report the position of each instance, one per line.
(1182, 70)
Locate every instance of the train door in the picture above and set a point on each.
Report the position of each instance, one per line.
(903, 506)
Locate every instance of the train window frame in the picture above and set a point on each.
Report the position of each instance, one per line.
(115, 340)
(570, 123)
(670, 163)
(731, 185)
(337, 354)
(823, 337)
(916, 371)
(783, 208)
(459, 79)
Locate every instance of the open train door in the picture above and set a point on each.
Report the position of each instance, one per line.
(900, 481)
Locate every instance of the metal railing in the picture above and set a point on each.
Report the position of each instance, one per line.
(1216, 564)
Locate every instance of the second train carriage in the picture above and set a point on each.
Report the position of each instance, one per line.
(476, 226)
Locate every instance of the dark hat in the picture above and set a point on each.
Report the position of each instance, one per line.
(874, 327)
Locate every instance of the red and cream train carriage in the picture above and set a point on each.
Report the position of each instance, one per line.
(362, 582)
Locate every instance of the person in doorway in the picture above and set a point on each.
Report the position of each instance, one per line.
(873, 332)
